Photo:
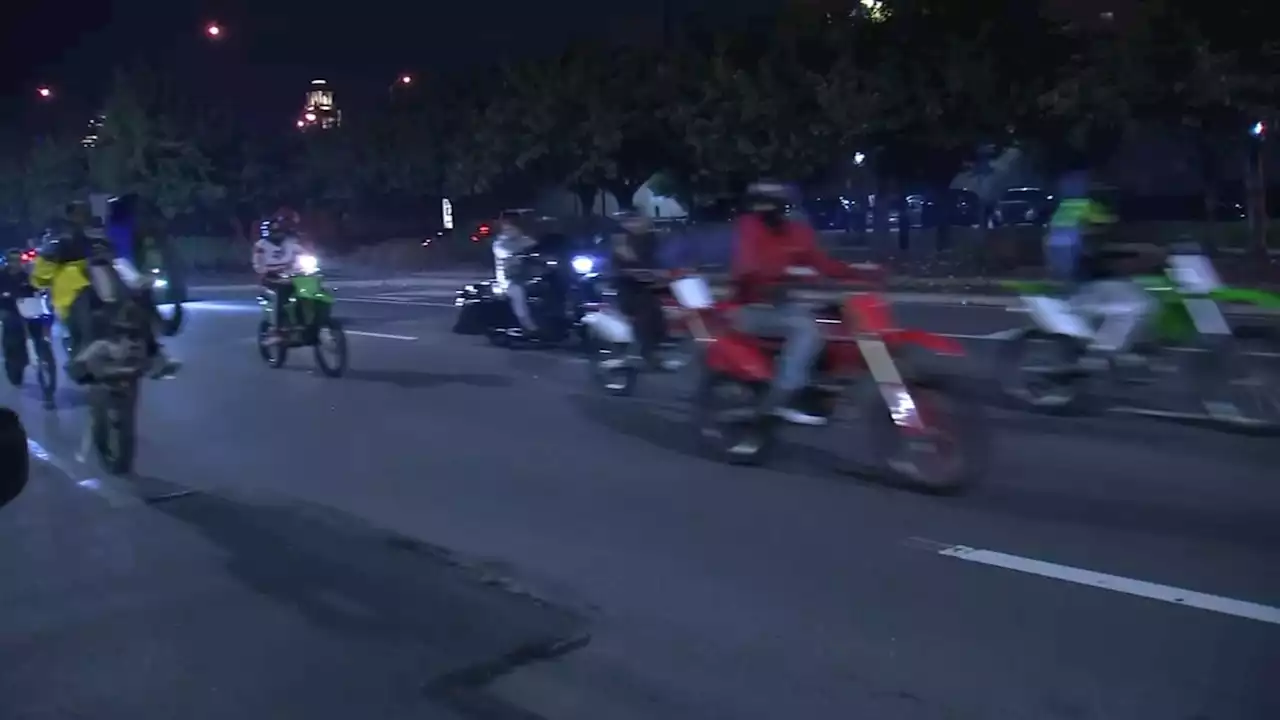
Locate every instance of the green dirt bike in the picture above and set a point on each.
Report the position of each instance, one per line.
(1227, 374)
(308, 321)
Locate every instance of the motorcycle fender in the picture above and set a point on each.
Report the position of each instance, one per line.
(739, 357)
(929, 341)
(1057, 317)
(609, 327)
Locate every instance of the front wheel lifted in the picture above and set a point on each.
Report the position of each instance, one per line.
(113, 419)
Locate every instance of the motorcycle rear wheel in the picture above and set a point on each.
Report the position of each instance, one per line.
(727, 419)
(1065, 393)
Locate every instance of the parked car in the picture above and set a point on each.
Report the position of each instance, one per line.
(1023, 206)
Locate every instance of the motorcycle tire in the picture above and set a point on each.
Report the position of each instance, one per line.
(338, 368)
(1244, 373)
(171, 325)
(46, 369)
(620, 381)
(275, 356)
(1066, 397)
(113, 416)
(956, 425)
(746, 439)
(14, 370)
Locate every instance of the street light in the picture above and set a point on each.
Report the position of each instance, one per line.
(44, 91)
(213, 30)
(406, 79)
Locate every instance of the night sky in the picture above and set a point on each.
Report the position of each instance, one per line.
(273, 47)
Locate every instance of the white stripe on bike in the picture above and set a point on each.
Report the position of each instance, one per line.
(384, 301)
(1116, 583)
(384, 336)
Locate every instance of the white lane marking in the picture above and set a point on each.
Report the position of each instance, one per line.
(385, 336)
(1116, 583)
(108, 489)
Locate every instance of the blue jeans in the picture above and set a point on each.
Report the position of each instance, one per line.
(803, 343)
(1062, 253)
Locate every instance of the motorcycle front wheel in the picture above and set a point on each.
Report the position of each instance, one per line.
(612, 370)
(274, 355)
(946, 454)
(331, 348)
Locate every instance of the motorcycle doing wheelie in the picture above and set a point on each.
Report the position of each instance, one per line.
(306, 321)
(922, 434)
(120, 316)
(613, 347)
(29, 318)
(1187, 337)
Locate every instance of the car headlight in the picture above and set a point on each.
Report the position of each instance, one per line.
(160, 283)
(308, 264)
(583, 264)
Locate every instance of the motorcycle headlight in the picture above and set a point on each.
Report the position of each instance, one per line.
(308, 264)
(583, 264)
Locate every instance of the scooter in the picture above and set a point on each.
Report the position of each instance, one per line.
(1217, 366)
(922, 433)
(613, 350)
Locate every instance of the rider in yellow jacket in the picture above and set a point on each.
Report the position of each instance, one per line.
(62, 267)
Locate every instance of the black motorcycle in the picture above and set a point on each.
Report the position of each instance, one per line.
(559, 288)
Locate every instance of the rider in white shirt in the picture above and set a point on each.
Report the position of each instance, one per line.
(507, 247)
(274, 256)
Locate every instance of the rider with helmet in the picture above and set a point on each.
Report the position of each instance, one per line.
(62, 267)
(771, 250)
(634, 261)
(274, 256)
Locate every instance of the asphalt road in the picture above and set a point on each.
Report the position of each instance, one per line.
(1110, 568)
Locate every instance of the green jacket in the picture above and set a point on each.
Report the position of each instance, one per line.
(1076, 213)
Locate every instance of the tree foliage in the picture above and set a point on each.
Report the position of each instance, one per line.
(919, 83)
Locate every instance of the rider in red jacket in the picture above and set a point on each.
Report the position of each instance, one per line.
(771, 250)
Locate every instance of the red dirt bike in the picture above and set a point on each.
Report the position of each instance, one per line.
(921, 433)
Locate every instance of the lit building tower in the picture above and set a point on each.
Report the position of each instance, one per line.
(319, 111)
(93, 135)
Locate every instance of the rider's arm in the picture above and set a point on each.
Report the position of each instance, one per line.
(807, 240)
(259, 258)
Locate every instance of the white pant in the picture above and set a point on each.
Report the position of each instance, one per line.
(1123, 307)
(520, 305)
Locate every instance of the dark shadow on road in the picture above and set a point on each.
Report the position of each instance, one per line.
(415, 379)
